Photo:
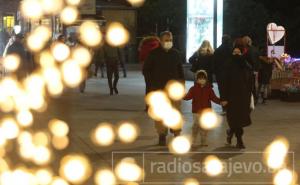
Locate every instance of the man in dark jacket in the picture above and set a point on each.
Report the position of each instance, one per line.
(112, 57)
(222, 57)
(17, 48)
(162, 65)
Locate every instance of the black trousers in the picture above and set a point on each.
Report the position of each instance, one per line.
(238, 132)
(101, 66)
(112, 75)
(123, 68)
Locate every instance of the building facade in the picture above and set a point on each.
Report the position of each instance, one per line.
(9, 14)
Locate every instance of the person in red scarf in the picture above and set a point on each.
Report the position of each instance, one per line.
(147, 45)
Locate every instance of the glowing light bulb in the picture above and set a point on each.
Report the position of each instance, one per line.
(209, 120)
(105, 177)
(73, 2)
(82, 56)
(176, 90)
(10, 128)
(191, 182)
(58, 128)
(127, 170)
(78, 162)
(52, 6)
(32, 9)
(25, 118)
(127, 132)
(276, 152)
(90, 34)
(44, 176)
(117, 35)
(103, 135)
(180, 145)
(136, 3)
(173, 119)
(284, 177)
(72, 73)
(213, 166)
(60, 51)
(69, 15)
(11, 62)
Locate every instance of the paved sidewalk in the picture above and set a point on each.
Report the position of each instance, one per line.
(85, 111)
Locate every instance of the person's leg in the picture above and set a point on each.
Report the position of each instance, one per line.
(220, 82)
(203, 134)
(229, 133)
(82, 86)
(254, 91)
(96, 68)
(116, 79)
(265, 93)
(195, 129)
(239, 136)
(109, 78)
(162, 132)
(146, 92)
(124, 69)
(102, 66)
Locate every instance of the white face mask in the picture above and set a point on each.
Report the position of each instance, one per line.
(201, 81)
(168, 45)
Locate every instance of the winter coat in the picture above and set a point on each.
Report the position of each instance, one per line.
(202, 62)
(25, 66)
(112, 55)
(237, 91)
(146, 46)
(162, 66)
(201, 97)
(222, 56)
(252, 56)
(265, 72)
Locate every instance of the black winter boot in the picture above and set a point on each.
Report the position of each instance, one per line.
(240, 143)
(229, 136)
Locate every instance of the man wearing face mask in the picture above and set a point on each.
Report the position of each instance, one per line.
(162, 65)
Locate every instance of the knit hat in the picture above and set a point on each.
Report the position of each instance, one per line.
(201, 73)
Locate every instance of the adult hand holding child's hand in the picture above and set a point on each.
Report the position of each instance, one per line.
(224, 103)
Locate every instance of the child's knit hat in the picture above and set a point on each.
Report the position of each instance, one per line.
(201, 73)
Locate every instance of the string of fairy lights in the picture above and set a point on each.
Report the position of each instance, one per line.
(61, 67)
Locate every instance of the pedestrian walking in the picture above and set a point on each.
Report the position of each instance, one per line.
(202, 59)
(201, 95)
(221, 59)
(112, 57)
(162, 65)
(147, 44)
(17, 48)
(264, 75)
(237, 92)
(124, 55)
(99, 62)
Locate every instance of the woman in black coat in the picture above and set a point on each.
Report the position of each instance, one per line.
(202, 59)
(237, 92)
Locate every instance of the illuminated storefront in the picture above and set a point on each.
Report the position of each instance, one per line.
(8, 22)
(204, 22)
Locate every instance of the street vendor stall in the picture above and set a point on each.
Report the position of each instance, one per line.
(290, 89)
(286, 73)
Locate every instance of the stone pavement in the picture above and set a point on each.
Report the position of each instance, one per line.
(84, 111)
